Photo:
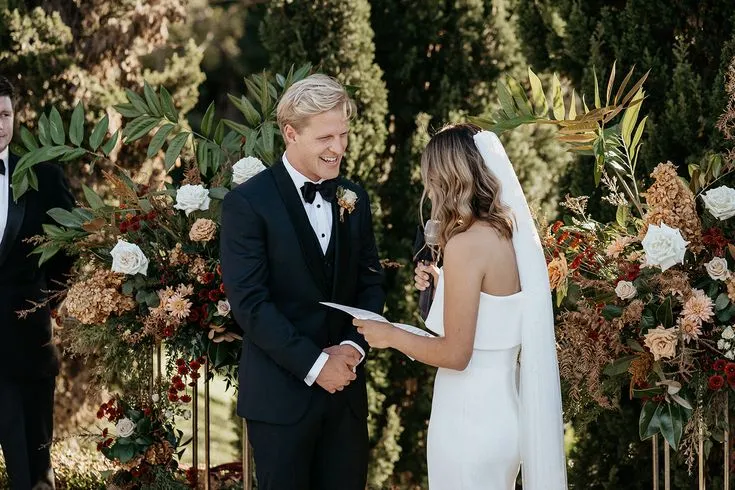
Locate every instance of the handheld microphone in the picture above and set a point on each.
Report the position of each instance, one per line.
(426, 240)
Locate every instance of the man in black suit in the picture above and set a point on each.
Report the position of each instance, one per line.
(28, 359)
(288, 242)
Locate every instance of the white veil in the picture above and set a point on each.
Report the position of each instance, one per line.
(541, 423)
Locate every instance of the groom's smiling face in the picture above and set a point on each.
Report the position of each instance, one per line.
(317, 147)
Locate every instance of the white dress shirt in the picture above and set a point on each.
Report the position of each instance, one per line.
(320, 216)
(4, 191)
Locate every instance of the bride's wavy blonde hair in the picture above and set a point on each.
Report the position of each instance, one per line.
(461, 188)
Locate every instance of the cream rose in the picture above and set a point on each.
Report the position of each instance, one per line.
(661, 342)
(558, 271)
(192, 198)
(720, 202)
(125, 427)
(246, 168)
(664, 246)
(728, 333)
(223, 307)
(717, 269)
(203, 230)
(625, 290)
(128, 258)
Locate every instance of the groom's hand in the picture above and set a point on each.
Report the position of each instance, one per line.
(344, 350)
(337, 373)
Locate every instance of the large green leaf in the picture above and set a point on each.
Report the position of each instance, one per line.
(159, 139)
(519, 96)
(76, 127)
(65, 218)
(630, 117)
(540, 106)
(154, 105)
(107, 147)
(56, 126)
(169, 110)
(506, 100)
(95, 201)
(139, 127)
(174, 149)
(648, 423)
(557, 100)
(28, 139)
(137, 101)
(243, 104)
(44, 131)
(208, 120)
(98, 133)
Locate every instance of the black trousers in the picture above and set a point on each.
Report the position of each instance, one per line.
(26, 430)
(326, 450)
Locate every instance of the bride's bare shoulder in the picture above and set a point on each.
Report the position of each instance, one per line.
(479, 240)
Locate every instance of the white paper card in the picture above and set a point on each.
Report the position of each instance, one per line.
(369, 315)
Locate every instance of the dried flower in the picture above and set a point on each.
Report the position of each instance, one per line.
(203, 230)
(558, 271)
(661, 342)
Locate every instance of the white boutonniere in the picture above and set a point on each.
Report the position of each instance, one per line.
(346, 200)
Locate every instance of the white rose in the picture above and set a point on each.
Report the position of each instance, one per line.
(128, 258)
(245, 168)
(186, 414)
(730, 355)
(192, 198)
(349, 197)
(168, 414)
(125, 427)
(625, 290)
(223, 307)
(720, 202)
(717, 269)
(155, 397)
(728, 333)
(664, 246)
(721, 344)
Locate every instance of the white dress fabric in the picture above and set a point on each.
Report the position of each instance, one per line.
(474, 430)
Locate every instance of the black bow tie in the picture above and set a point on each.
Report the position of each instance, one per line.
(2, 167)
(327, 189)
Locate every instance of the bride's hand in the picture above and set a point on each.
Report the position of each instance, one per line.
(377, 334)
(422, 272)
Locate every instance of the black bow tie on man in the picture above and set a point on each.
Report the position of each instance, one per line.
(2, 167)
(327, 189)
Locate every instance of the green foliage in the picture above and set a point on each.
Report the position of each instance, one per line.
(339, 42)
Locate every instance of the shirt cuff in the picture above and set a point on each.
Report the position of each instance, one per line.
(359, 349)
(316, 369)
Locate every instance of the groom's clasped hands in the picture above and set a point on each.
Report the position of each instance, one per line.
(339, 369)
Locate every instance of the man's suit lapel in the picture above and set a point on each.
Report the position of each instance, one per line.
(341, 235)
(307, 239)
(16, 211)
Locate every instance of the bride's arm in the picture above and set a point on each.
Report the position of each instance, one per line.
(463, 275)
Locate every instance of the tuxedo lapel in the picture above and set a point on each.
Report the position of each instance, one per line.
(308, 241)
(341, 235)
(16, 211)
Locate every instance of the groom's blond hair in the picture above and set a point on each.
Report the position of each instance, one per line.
(313, 95)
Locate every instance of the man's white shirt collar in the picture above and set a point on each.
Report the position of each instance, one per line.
(5, 157)
(298, 178)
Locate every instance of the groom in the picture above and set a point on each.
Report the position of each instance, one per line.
(292, 236)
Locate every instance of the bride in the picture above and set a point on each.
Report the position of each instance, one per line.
(497, 401)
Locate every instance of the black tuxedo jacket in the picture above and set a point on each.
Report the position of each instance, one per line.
(26, 347)
(275, 275)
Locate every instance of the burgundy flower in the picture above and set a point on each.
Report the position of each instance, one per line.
(719, 364)
(208, 277)
(186, 398)
(194, 365)
(213, 295)
(730, 368)
(194, 315)
(731, 380)
(715, 382)
(173, 397)
(222, 288)
(180, 362)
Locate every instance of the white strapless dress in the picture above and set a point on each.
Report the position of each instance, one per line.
(473, 440)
